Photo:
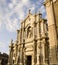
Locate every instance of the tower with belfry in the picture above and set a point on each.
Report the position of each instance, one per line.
(52, 18)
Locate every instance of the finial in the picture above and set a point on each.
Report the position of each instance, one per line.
(29, 11)
(40, 14)
(17, 31)
(35, 13)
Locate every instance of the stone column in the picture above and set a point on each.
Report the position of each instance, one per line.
(38, 52)
(34, 52)
(9, 57)
(20, 55)
(11, 53)
(43, 41)
(20, 48)
(38, 37)
(35, 41)
(43, 51)
(0, 62)
(25, 56)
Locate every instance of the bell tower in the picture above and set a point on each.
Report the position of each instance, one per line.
(52, 29)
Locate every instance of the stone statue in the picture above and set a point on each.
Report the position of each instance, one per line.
(29, 32)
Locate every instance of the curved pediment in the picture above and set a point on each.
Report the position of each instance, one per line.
(29, 20)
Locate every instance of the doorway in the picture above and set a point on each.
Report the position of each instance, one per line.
(29, 60)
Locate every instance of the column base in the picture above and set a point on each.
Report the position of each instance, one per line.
(37, 64)
(41, 64)
(15, 63)
(8, 64)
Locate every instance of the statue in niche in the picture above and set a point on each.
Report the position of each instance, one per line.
(29, 32)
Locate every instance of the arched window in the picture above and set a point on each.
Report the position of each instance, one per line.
(29, 32)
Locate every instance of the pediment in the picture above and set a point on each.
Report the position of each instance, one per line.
(29, 20)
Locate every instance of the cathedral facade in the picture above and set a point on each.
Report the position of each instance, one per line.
(36, 42)
(31, 46)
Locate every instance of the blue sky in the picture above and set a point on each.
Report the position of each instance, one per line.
(12, 12)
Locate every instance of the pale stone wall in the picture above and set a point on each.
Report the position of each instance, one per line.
(56, 14)
(52, 13)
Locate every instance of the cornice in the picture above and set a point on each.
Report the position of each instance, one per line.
(47, 1)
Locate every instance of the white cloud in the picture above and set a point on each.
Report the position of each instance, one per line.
(1, 44)
(20, 7)
(42, 9)
(45, 17)
(14, 1)
(10, 5)
(0, 24)
(33, 8)
(11, 13)
(25, 1)
(12, 25)
(3, 47)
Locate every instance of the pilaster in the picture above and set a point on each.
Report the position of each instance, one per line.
(38, 52)
(43, 51)
(10, 61)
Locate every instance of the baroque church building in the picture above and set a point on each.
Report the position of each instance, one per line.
(32, 42)
(36, 42)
